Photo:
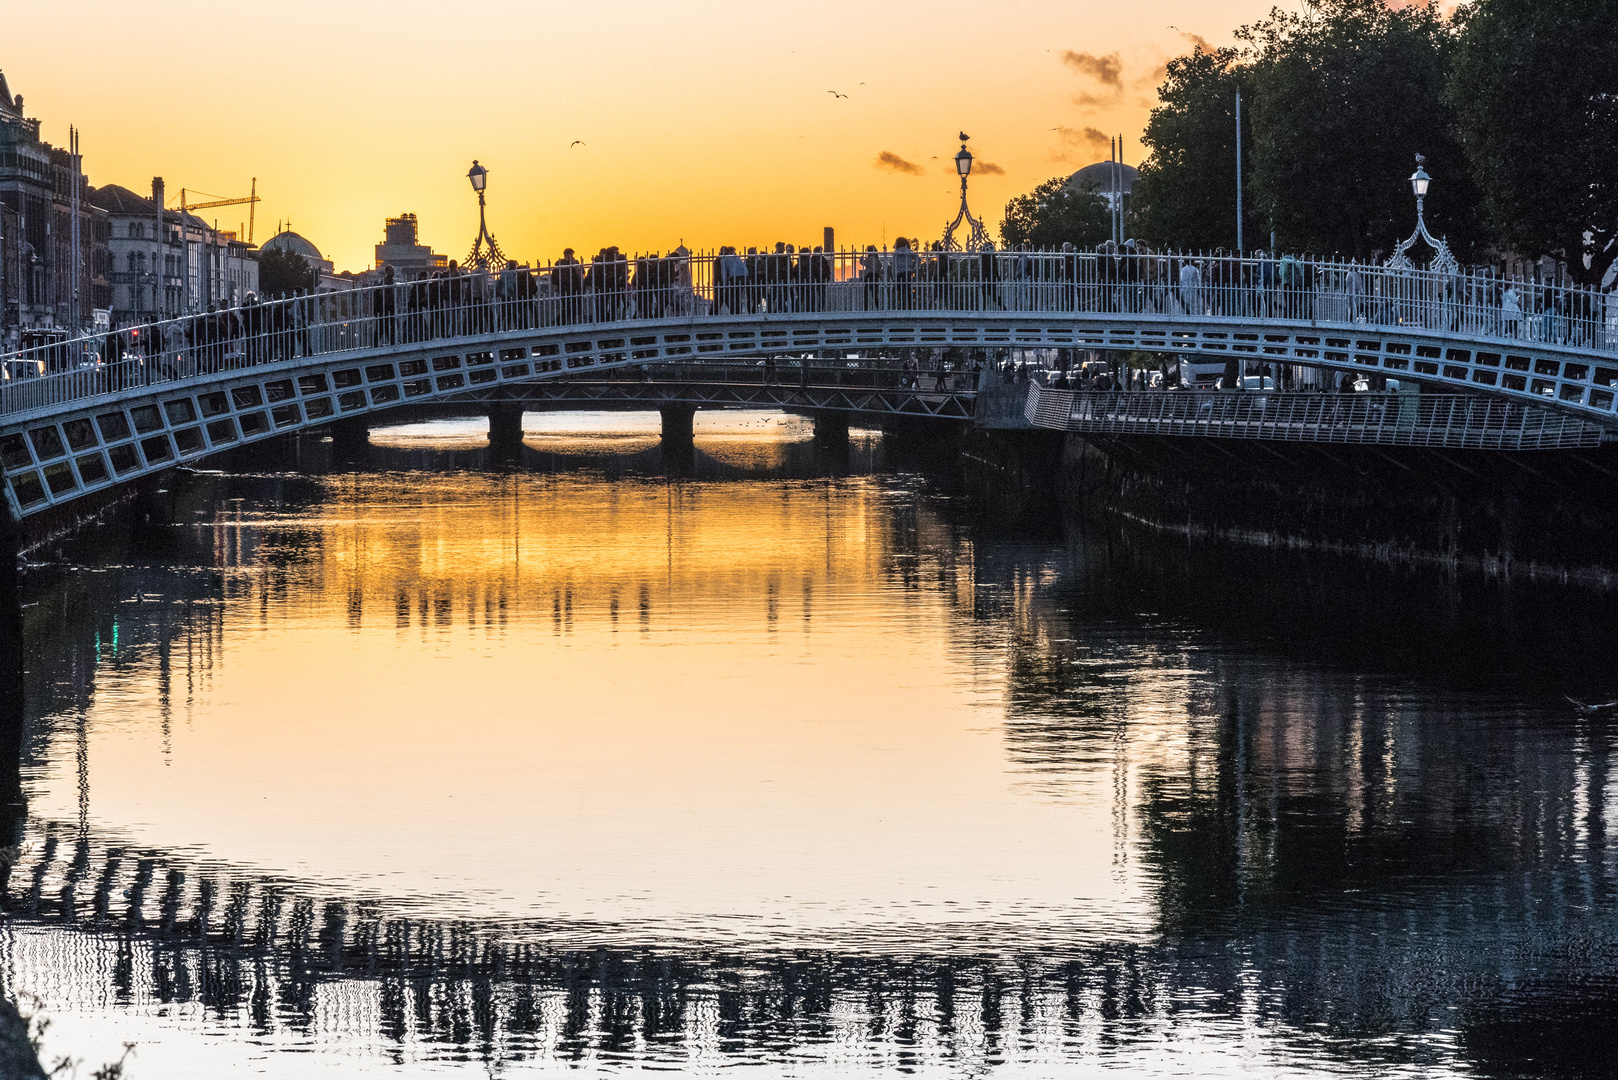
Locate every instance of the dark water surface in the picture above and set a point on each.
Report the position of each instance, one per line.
(423, 765)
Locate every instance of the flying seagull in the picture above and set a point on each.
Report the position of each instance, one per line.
(1590, 710)
(835, 94)
(575, 142)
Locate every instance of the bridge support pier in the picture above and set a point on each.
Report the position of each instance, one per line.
(831, 428)
(679, 445)
(505, 426)
(350, 437)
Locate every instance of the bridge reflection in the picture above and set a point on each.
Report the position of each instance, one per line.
(1355, 861)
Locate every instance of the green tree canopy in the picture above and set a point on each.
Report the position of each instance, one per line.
(1535, 95)
(1342, 102)
(1054, 214)
(1185, 196)
(282, 272)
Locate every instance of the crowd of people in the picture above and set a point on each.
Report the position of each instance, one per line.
(614, 287)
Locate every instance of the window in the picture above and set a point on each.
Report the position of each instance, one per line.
(131, 262)
(137, 231)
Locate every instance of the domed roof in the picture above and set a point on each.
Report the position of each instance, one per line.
(1100, 177)
(291, 241)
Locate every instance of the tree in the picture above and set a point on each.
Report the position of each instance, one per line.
(1535, 94)
(1185, 196)
(1342, 102)
(282, 272)
(1054, 214)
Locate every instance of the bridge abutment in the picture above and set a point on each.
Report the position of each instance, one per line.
(1546, 515)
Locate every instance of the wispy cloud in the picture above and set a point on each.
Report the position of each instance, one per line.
(1197, 41)
(892, 162)
(1086, 138)
(1107, 70)
(986, 168)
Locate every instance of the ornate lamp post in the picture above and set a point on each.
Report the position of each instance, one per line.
(1443, 258)
(978, 237)
(486, 255)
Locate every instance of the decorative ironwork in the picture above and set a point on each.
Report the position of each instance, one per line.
(484, 256)
(978, 239)
(1444, 261)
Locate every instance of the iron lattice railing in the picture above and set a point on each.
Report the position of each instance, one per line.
(682, 286)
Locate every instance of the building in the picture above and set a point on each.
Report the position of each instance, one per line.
(1101, 178)
(400, 250)
(146, 278)
(327, 278)
(41, 188)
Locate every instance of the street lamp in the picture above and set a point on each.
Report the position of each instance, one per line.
(1443, 259)
(483, 255)
(979, 237)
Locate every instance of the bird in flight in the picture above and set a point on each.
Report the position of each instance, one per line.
(1590, 710)
(835, 94)
(576, 142)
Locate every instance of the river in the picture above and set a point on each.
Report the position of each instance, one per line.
(814, 763)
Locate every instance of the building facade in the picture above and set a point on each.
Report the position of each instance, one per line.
(41, 189)
(159, 270)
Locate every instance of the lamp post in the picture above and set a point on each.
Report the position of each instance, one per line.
(978, 238)
(488, 255)
(1443, 258)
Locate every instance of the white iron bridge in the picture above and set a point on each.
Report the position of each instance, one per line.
(886, 332)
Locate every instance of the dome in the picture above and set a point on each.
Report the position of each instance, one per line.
(291, 241)
(1099, 176)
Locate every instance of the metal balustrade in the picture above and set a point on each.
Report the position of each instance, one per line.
(1459, 421)
(1167, 288)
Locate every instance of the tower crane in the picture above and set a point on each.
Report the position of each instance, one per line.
(251, 202)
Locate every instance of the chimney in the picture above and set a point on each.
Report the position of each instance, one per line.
(157, 191)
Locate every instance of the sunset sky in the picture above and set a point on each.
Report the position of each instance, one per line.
(706, 122)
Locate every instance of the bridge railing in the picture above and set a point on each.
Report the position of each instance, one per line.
(1387, 418)
(621, 289)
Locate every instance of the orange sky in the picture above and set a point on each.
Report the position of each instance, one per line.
(708, 121)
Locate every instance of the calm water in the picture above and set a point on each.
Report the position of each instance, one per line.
(424, 765)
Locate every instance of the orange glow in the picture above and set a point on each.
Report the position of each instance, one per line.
(708, 122)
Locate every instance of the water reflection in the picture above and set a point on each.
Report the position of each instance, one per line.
(821, 773)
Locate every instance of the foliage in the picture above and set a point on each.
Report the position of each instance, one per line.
(1342, 102)
(281, 272)
(1535, 95)
(1054, 214)
(1186, 193)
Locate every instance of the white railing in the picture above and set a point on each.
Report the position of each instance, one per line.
(615, 289)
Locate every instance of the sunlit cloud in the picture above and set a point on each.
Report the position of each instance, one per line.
(892, 162)
(1086, 138)
(986, 168)
(1106, 70)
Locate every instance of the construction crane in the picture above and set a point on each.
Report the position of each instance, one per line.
(250, 202)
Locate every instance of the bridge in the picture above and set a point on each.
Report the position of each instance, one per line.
(896, 332)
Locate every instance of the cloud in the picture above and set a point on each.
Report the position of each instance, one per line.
(1106, 70)
(1197, 42)
(892, 162)
(1088, 138)
(986, 168)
